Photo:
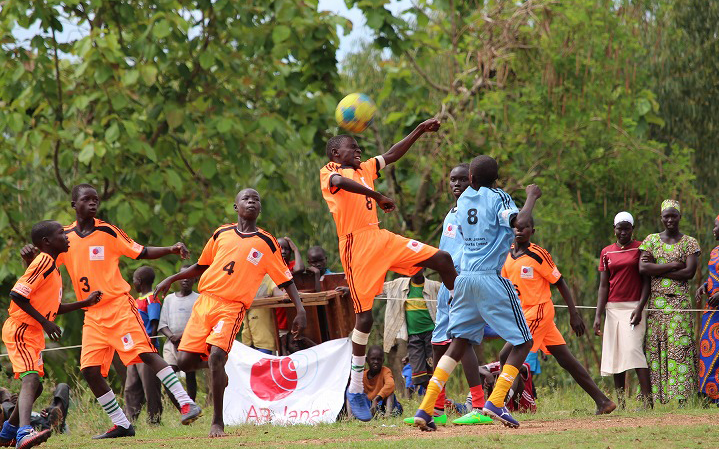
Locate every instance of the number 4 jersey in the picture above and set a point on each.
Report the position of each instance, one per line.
(484, 217)
(237, 263)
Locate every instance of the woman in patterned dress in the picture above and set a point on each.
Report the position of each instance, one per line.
(670, 258)
(709, 343)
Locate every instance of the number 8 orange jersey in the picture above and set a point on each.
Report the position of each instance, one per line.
(237, 263)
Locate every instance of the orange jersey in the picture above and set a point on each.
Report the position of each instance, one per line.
(532, 273)
(350, 210)
(93, 262)
(42, 285)
(237, 263)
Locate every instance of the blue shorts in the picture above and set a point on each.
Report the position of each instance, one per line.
(484, 298)
(439, 334)
(533, 361)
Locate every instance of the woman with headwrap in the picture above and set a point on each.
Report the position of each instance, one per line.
(623, 293)
(709, 343)
(670, 258)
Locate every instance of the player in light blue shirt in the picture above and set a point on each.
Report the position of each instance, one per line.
(486, 216)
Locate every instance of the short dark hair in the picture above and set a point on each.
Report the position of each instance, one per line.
(42, 229)
(317, 248)
(462, 165)
(375, 348)
(78, 188)
(335, 142)
(484, 170)
(145, 274)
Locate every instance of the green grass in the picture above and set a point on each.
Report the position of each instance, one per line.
(565, 417)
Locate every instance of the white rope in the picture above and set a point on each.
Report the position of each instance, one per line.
(62, 348)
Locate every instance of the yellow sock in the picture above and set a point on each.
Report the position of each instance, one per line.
(441, 373)
(501, 387)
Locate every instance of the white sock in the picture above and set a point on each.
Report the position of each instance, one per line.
(169, 379)
(113, 409)
(356, 374)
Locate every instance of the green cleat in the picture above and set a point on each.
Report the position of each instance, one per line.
(473, 418)
(439, 420)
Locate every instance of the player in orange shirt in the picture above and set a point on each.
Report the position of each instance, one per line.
(36, 301)
(366, 251)
(231, 268)
(114, 325)
(531, 269)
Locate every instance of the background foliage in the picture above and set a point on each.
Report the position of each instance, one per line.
(171, 107)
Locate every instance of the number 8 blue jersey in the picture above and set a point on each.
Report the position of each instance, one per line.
(484, 217)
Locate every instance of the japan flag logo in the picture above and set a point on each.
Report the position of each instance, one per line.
(97, 253)
(127, 342)
(527, 273)
(273, 379)
(414, 245)
(254, 256)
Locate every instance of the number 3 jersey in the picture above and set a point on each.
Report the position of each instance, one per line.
(237, 263)
(350, 210)
(484, 217)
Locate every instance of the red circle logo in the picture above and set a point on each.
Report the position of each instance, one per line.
(95, 250)
(414, 243)
(525, 270)
(273, 379)
(449, 228)
(255, 254)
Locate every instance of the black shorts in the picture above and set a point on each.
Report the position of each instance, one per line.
(419, 350)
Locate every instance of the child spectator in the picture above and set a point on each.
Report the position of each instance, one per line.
(141, 384)
(317, 258)
(379, 385)
(175, 313)
(288, 249)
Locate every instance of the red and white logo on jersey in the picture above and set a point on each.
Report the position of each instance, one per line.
(414, 245)
(217, 328)
(23, 289)
(450, 231)
(254, 256)
(97, 253)
(527, 273)
(127, 342)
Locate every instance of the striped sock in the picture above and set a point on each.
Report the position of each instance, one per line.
(113, 410)
(503, 384)
(441, 373)
(356, 374)
(169, 379)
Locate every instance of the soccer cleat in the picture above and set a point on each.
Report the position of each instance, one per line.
(472, 418)
(190, 412)
(424, 421)
(116, 432)
(33, 438)
(440, 420)
(359, 405)
(502, 414)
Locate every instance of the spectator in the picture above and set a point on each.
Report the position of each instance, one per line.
(173, 318)
(379, 385)
(670, 258)
(288, 249)
(412, 317)
(521, 395)
(623, 292)
(258, 330)
(317, 258)
(52, 417)
(141, 384)
(708, 345)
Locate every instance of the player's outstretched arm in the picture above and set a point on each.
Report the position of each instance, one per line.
(400, 148)
(352, 186)
(91, 300)
(524, 216)
(300, 322)
(51, 329)
(155, 252)
(195, 271)
(575, 320)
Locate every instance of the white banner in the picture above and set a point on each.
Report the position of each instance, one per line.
(307, 387)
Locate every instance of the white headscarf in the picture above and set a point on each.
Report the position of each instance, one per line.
(623, 216)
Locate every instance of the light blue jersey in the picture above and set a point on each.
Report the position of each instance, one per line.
(451, 240)
(484, 218)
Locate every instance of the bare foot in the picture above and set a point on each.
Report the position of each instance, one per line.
(606, 408)
(217, 431)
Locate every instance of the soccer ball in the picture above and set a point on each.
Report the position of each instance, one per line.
(355, 112)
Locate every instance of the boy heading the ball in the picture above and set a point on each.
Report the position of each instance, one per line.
(231, 268)
(114, 324)
(36, 299)
(366, 251)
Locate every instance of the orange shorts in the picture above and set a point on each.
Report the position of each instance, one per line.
(369, 253)
(116, 326)
(540, 319)
(24, 343)
(214, 322)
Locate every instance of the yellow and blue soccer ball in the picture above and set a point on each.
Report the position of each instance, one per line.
(355, 112)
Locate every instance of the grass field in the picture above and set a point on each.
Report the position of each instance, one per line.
(565, 417)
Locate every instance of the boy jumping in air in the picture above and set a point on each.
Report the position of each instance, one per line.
(231, 268)
(366, 251)
(36, 301)
(482, 297)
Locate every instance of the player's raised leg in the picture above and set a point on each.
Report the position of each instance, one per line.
(189, 410)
